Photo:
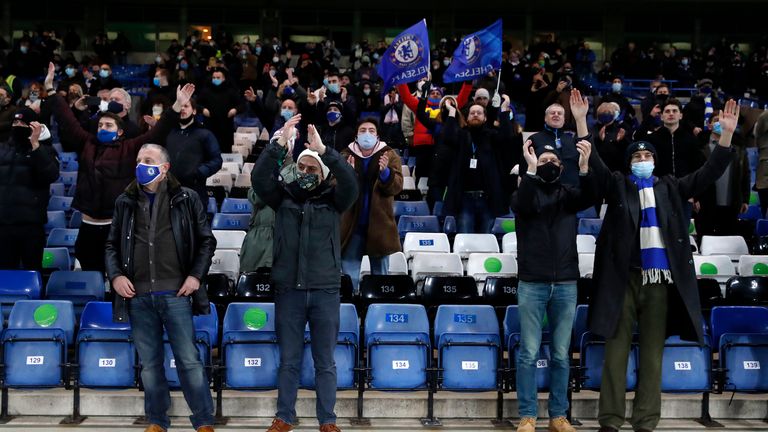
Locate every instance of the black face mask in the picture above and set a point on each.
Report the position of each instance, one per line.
(184, 122)
(549, 172)
(21, 134)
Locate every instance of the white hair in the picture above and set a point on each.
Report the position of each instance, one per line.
(125, 94)
(164, 156)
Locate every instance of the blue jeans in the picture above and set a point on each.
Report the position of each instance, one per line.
(293, 308)
(353, 253)
(475, 215)
(149, 313)
(558, 300)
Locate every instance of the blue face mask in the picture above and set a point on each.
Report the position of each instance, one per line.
(146, 174)
(616, 87)
(105, 136)
(183, 66)
(334, 88)
(643, 170)
(156, 81)
(104, 73)
(367, 140)
(286, 114)
(717, 129)
(70, 72)
(333, 116)
(433, 101)
(257, 50)
(216, 81)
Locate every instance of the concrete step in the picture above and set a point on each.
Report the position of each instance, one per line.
(179, 424)
(377, 405)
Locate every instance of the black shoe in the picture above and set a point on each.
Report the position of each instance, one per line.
(643, 430)
(607, 429)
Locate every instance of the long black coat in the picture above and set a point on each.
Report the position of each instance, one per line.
(614, 251)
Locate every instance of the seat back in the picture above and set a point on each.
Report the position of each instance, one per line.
(738, 319)
(97, 315)
(503, 226)
(79, 287)
(585, 243)
(425, 242)
(408, 224)
(62, 203)
(249, 317)
(19, 285)
(747, 291)
(465, 319)
(227, 262)
(586, 264)
(387, 289)
(410, 208)
(62, 237)
(406, 320)
(236, 206)
(465, 244)
(718, 267)
(732, 246)
(398, 264)
(482, 265)
(439, 290)
(226, 221)
(753, 265)
(509, 243)
(255, 286)
(590, 226)
(435, 264)
(57, 258)
(56, 219)
(229, 239)
(44, 315)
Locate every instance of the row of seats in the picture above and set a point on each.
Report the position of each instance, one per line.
(398, 340)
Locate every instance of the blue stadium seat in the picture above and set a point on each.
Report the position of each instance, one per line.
(76, 219)
(589, 213)
(591, 361)
(69, 178)
(346, 354)
(79, 287)
(753, 213)
(106, 356)
(63, 203)
(686, 366)
(212, 208)
(67, 156)
(57, 189)
(408, 224)
(761, 227)
(56, 219)
(223, 221)
(35, 343)
(449, 226)
(512, 341)
(236, 206)
(579, 326)
(57, 258)
(69, 166)
(63, 237)
(469, 346)
(18, 285)
(206, 338)
(741, 333)
(397, 341)
(249, 346)
(410, 208)
(590, 226)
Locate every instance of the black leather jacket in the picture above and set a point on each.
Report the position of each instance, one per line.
(195, 243)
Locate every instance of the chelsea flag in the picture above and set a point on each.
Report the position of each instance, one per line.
(476, 55)
(407, 58)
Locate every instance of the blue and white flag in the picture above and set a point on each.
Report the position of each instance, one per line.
(476, 55)
(407, 58)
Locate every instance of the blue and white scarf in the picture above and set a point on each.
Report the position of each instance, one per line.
(653, 253)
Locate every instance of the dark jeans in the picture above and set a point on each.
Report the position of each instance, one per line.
(353, 255)
(149, 313)
(646, 304)
(21, 247)
(762, 194)
(293, 308)
(89, 246)
(424, 155)
(475, 214)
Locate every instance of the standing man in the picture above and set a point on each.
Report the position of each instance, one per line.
(549, 268)
(106, 167)
(306, 267)
(27, 170)
(644, 269)
(221, 102)
(159, 249)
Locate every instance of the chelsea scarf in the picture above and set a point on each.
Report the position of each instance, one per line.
(653, 253)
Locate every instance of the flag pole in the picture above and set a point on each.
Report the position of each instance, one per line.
(498, 82)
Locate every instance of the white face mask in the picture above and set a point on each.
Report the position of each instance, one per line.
(103, 106)
(45, 134)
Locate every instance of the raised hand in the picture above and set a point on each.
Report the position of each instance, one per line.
(150, 121)
(49, 75)
(351, 161)
(383, 162)
(505, 103)
(315, 143)
(288, 132)
(585, 149)
(184, 94)
(344, 94)
(449, 106)
(250, 95)
(579, 105)
(530, 156)
(729, 119)
(34, 137)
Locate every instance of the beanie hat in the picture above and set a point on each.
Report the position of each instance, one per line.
(546, 148)
(481, 92)
(637, 146)
(336, 104)
(316, 156)
(26, 115)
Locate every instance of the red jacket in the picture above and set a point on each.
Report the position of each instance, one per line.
(421, 135)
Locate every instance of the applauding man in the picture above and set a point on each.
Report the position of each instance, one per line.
(306, 270)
